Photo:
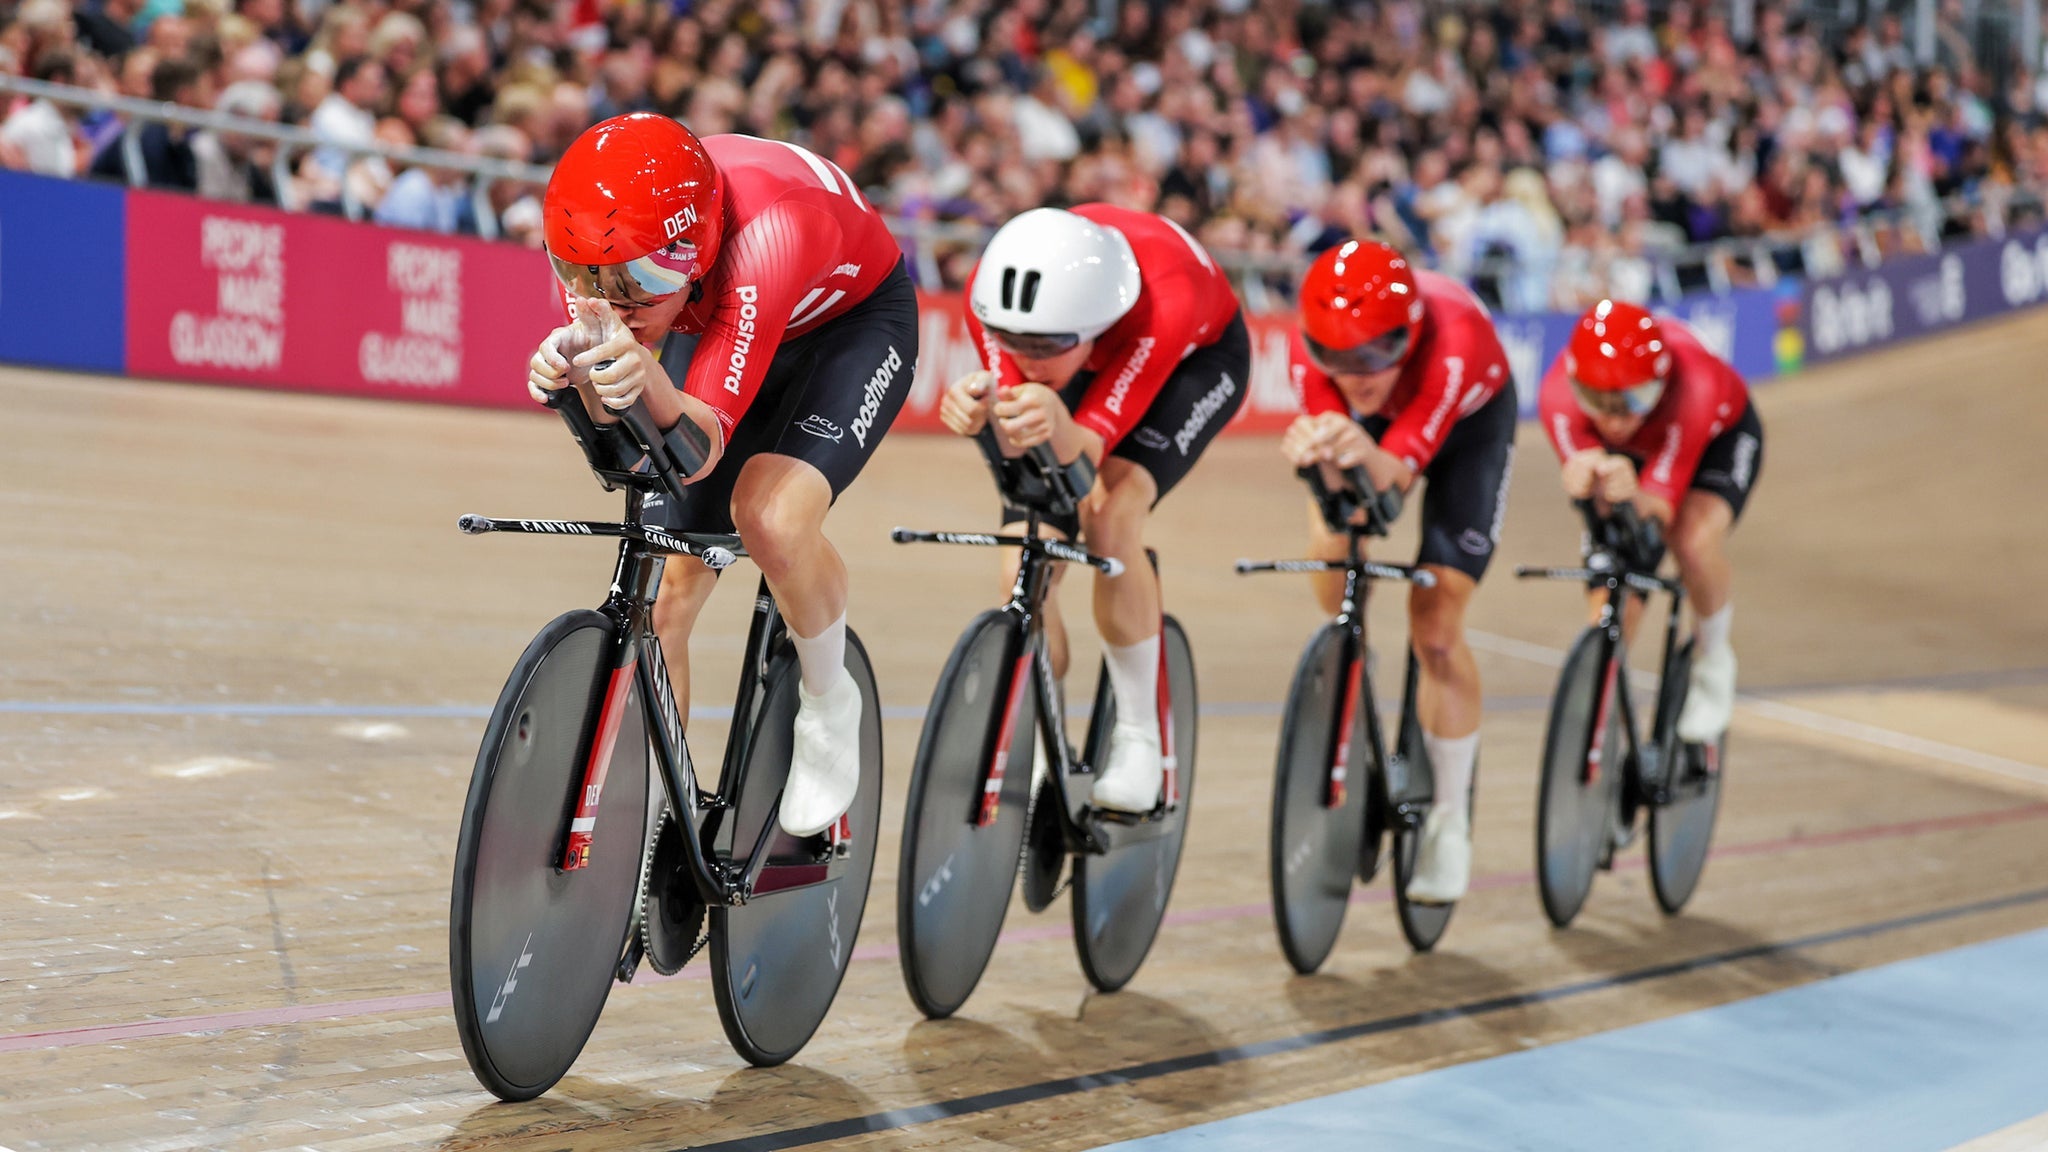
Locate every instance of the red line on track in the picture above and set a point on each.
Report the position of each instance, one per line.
(439, 1001)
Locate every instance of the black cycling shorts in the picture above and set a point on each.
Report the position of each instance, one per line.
(1465, 491)
(828, 399)
(1729, 466)
(1201, 396)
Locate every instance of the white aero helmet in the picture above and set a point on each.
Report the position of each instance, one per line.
(1051, 279)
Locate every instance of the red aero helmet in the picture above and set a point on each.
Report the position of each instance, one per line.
(1616, 347)
(634, 211)
(1359, 308)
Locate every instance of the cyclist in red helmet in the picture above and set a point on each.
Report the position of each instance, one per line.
(1399, 370)
(744, 287)
(1640, 411)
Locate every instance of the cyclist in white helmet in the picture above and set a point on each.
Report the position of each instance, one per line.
(1110, 334)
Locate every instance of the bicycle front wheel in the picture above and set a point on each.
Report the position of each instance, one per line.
(777, 960)
(1575, 806)
(1314, 850)
(1120, 896)
(953, 882)
(532, 949)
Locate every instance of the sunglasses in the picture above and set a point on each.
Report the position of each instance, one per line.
(1035, 345)
(1636, 401)
(1375, 355)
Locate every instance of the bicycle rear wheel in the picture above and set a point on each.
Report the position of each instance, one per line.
(1315, 846)
(1682, 831)
(955, 874)
(532, 949)
(777, 960)
(1574, 815)
(1120, 896)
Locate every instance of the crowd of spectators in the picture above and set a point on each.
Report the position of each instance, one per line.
(1549, 150)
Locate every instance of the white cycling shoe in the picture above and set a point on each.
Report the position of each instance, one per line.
(824, 763)
(1443, 863)
(1136, 772)
(1709, 698)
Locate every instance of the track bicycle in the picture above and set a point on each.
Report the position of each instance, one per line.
(1598, 773)
(977, 823)
(560, 887)
(1337, 791)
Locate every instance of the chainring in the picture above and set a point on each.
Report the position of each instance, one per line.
(1044, 858)
(672, 922)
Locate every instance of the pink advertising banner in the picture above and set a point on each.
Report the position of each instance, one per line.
(238, 295)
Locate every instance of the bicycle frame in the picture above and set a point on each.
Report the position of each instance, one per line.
(636, 658)
(1033, 671)
(1608, 570)
(1408, 798)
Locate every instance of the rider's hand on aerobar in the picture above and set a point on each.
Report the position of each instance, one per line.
(1325, 438)
(1597, 473)
(1028, 414)
(631, 368)
(548, 371)
(964, 407)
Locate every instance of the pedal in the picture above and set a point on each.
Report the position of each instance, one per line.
(839, 837)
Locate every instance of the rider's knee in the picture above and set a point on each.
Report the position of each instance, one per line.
(776, 528)
(1436, 627)
(1696, 541)
(1117, 521)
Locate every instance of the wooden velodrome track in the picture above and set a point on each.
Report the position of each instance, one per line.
(227, 806)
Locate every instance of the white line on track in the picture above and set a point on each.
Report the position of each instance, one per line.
(1802, 718)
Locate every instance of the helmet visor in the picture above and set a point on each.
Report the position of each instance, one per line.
(651, 279)
(1035, 345)
(1375, 355)
(1636, 401)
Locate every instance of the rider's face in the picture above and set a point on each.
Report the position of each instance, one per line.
(1054, 372)
(1368, 392)
(1616, 429)
(649, 323)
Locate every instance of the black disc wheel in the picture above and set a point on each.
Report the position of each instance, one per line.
(1682, 830)
(1576, 798)
(1315, 845)
(777, 960)
(1120, 896)
(532, 949)
(955, 875)
(1422, 924)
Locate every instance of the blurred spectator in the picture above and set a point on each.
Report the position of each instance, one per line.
(164, 149)
(347, 114)
(430, 199)
(233, 166)
(38, 136)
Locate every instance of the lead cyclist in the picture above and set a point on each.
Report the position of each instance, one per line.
(759, 305)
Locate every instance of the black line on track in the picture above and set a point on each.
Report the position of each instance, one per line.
(1153, 1069)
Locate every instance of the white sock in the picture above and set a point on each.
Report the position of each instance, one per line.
(1134, 677)
(823, 657)
(1712, 631)
(1451, 758)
